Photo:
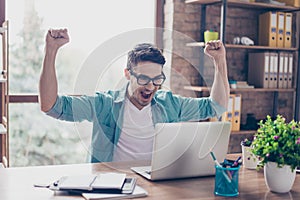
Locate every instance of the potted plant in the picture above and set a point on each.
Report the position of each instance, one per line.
(250, 161)
(277, 146)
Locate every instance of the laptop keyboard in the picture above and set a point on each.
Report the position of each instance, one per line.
(146, 169)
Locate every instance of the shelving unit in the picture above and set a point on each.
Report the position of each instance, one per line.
(207, 89)
(259, 8)
(244, 4)
(235, 46)
(239, 4)
(247, 132)
(277, 97)
(4, 95)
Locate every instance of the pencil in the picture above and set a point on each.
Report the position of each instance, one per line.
(219, 165)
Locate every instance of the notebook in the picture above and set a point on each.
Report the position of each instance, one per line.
(182, 150)
(92, 181)
(108, 183)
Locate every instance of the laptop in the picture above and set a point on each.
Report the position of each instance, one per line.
(182, 150)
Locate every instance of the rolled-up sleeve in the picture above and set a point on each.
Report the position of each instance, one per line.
(200, 108)
(217, 107)
(180, 108)
(56, 110)
(70, 108)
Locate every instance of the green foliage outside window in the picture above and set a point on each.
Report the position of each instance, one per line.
(36, 139)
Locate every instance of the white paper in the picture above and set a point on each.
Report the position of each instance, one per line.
(109, 181)
(76, 182)
(138, 192)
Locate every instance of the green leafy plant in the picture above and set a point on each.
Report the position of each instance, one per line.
(277, 141)
(247, 142)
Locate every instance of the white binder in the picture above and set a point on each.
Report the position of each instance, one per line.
(290, 72)
(280, 77)
(258, 69)
(285, 70)
(273, 70)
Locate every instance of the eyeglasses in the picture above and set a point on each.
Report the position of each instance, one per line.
(145, 80)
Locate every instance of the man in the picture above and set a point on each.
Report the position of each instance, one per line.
(123, 120)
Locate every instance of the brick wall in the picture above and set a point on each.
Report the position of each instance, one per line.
(183, 22)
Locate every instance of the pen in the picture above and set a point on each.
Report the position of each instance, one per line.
(236, 162)
(219, 165)
(214, 158)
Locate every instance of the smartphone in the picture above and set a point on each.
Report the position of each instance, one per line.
(128, 185)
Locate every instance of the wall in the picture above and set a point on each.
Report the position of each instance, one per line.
(182, 19)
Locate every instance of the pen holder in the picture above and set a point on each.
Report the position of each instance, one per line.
(227, 181)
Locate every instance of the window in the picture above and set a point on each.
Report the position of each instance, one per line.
(93, 25)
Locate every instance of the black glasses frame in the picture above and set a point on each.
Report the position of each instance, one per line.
(139, 76)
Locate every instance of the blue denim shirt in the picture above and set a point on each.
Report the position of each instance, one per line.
(105, 111)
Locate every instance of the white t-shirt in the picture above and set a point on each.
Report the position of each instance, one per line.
(136, 139)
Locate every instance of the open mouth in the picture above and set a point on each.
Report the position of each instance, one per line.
(146, 94)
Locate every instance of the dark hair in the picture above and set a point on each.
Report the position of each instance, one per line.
(144, 52)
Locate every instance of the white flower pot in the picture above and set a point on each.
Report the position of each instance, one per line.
(279, 180)
(250, 161)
